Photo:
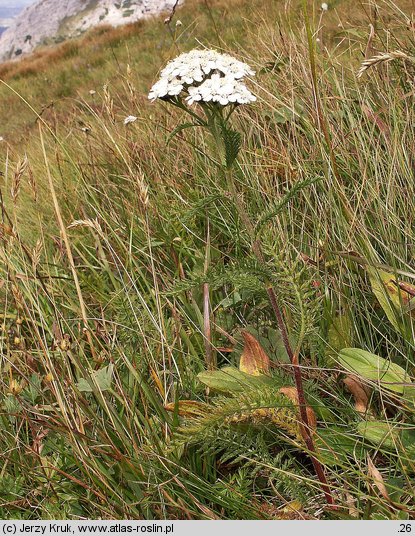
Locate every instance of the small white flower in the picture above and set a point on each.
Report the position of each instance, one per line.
(159, 90)
(179, 23)
(221, 89)
(204, 75)
(324, 6)
(130, 119)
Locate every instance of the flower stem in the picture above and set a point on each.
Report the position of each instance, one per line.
(258, 252)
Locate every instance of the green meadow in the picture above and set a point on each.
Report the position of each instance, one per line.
(212, 321)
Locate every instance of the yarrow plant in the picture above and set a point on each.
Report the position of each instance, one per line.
(216, 83)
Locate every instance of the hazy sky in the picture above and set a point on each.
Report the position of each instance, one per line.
(15, 3)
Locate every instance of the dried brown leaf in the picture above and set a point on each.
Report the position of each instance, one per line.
(359, 391)
(377, 479)
(254, 360)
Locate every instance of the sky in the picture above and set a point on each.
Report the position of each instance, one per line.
(15, 3)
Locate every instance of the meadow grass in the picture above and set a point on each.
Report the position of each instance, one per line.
(128, 276)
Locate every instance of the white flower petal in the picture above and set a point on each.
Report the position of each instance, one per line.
(130, 119)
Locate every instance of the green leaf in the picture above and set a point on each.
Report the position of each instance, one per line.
(232, 141)
(180, 128)
(276, 345)
(381, 433)
(375, 368)
(389, 436)
(279, 205)
(101, 378)
(335, 446)
(34, 389)
(231, 380)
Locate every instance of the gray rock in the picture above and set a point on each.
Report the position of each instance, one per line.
(53, 21)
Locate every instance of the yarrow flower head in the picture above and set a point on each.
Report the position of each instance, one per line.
(204, 76)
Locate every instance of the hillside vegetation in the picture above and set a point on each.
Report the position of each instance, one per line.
(143, 373)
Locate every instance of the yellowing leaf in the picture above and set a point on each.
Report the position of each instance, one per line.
(254, 360)
(188, 408)
(157, 381)
(292, 394)
(393, 296)
(379, 482)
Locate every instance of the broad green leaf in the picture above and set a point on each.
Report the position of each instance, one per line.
(375, 368)
(231, 300)
(101, 378)
(276, 345)
(381, 433)
(335, 446)
(390, 436)
(408, 440)
(409, 393)
(231, 380)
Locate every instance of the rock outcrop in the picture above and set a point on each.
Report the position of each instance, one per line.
(53, 21)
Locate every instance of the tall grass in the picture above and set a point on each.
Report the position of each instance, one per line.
(117, 250)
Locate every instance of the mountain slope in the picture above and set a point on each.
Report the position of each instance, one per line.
(47, 21)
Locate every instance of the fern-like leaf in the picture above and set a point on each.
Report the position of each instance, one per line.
(276, 208)
(262, 408)
(232, 141)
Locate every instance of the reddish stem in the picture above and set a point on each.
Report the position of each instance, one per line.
(301, 397)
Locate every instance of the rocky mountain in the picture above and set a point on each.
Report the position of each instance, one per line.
(53, 21)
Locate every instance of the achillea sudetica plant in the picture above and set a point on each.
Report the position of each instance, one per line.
(216, 83)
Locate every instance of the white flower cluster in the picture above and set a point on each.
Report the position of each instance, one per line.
(205, 76)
